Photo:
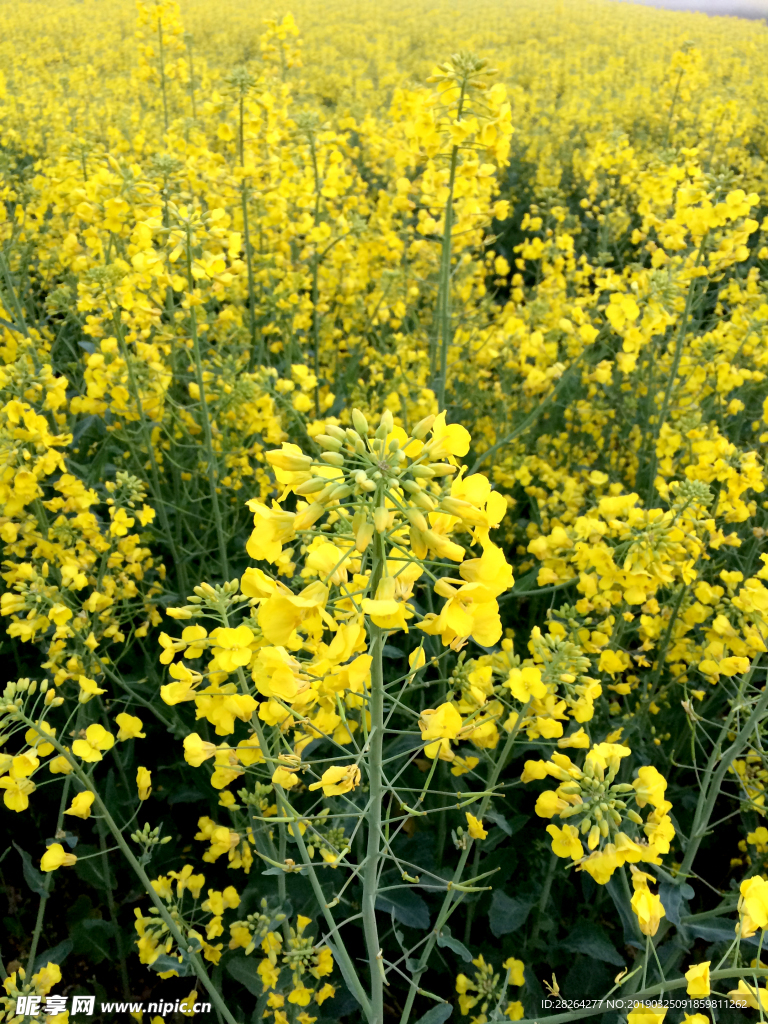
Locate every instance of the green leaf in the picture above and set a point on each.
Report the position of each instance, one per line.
(244, 970)
(92, 937)
(93, 870)
(446, 941)
(437, 1014)
(674, 898)
(34, 878)
(507, 914)
(592, 941)
(52, 956)
(170, 963)
(407, 906)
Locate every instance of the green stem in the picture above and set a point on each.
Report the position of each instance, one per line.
(47, 885)
(113, 910)
(376, 795)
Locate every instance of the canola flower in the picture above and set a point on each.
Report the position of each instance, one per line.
(366, 413)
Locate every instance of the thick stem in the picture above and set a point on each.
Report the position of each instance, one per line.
(376, 795)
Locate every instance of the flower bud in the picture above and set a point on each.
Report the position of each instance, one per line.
(338, 432)
(341, 490)
(333, 459)
(418, 540)
(442, 469)
(364, 536)
(317, 483)
(411, 486)
(424, 501)
(423, 472)
(416, 518)
(385, 426)
(326, 441)
(381, 519)
(289, 461)
(360, 423)
(423, 427)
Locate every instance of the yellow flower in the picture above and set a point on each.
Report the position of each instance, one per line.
(55, 857)
(516, 971)
(81, 804)
(475, 827)
(197, 750)
(231, 647)
(646, 1015)
(440, 725)
(144, 783)
(130, 727)
(566, 842)
(96, 740)
(284, 777)
(698, 980)
(753, 901)
(649, 910)
(338, 779)
(386, 610)
(525, 683)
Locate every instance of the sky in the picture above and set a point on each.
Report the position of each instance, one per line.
(740, 8)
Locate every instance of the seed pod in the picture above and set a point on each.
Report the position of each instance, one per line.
(331, 443)
(333, 459)
(317, 483)
(423, 427)
(360, 423)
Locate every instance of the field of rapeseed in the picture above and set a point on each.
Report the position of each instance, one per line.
(383, 510)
